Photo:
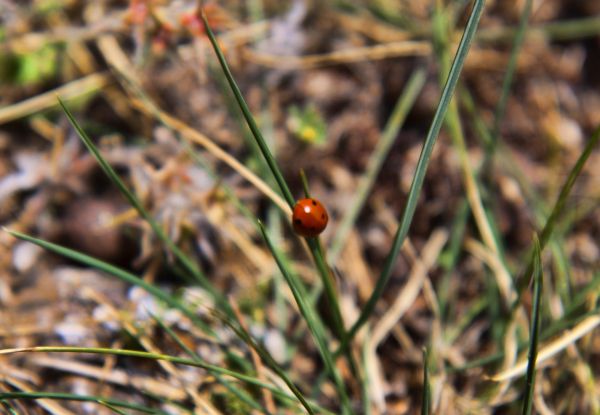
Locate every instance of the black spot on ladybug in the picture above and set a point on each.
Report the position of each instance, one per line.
(322, 216)
(314, 202)
(298, 222)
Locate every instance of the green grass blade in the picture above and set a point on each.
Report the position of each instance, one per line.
(80, 398)
(535, 328)
(314, 323)
(119, 273)
(264, 148)
(158, 356)
(552, 330)
(8, 407)
(112, 407)
(450, 258)
(390, 132)
(571, 29)
(560, 205)
(304, 181)
(325, 274)
(510, 71)
(316, 252)
(421, 169)
(426, 403)
(469, 177)
(241, 332)
(115, 271)
(134, 201)
(241, 394)
(328, 282)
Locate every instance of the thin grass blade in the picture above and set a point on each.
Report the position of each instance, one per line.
(9, 408)
(510, 71)
(241, 332)
(134, 280)
(81, 398)
(112, 407)
(559, 206)
(115, 271)
(264, 148)
(421, 168)
(538, 277)
(241, 394)
(168, 358)
(390, 132)
(426, 402)
(188, 263)
(314, 324)
(317, 254)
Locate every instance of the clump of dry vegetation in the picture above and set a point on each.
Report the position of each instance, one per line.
(169, 280)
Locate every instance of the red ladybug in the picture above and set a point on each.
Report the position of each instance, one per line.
(309, 217)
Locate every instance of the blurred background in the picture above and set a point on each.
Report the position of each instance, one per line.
(346, 91)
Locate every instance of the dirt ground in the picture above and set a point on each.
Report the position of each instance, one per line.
(322, 80)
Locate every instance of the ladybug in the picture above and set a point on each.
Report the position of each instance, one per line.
(309, 217)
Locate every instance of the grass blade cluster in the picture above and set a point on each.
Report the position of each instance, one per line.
(316, 252)
(168, 358)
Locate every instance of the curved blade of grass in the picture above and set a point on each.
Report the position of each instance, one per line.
(314, 323)
(264, 148)
(559, 207)
(82, 398)
(115, 271)
(390, 132)
(189, 265)
(421, 168)
(535, 327)
(158, 356)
